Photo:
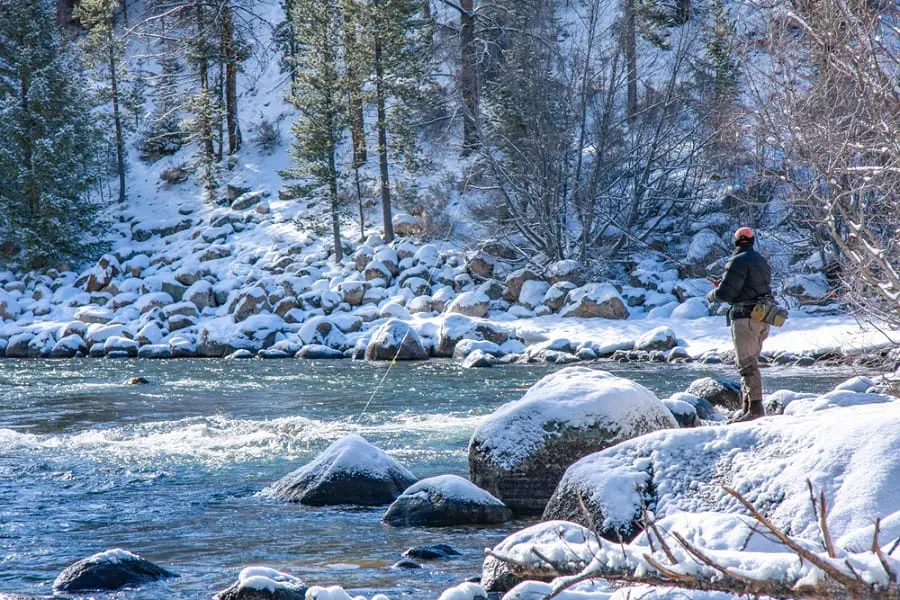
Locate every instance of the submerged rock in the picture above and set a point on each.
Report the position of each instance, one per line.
(520, 452)
(719, 392)
(445, 501)
(110, 570)
(263, 583)
(433, 552)
(350, 471)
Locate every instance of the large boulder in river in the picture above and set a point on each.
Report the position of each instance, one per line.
(571, 546)
(661, 338)
(445, 501)
(470, 304)
(520, 452)
(110, 570)
(595, 300)
(350, 471)
(263, 583)
(718, 392)
(455, 328)
(396, 340)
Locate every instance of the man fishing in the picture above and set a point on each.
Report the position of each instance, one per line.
(747, 280)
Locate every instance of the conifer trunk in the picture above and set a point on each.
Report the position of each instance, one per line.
(231, 102)
(630, 43)
(468, 76)
(117, 118)
(382, 142)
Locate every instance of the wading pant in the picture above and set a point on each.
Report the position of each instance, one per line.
(748, 336)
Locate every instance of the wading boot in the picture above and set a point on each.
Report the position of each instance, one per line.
(756, 411)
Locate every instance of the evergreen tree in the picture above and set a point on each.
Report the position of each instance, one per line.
(46, 211)
(319, 92)
(402, 64)
(105, 52)
(162, 134)
(718, 73)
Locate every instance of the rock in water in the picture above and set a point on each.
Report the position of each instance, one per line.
(445, 501)
(570, 544)
(433, 552)
(110, 570)
(137, 381)
(263, 583)
(520, 453)
(350, 471)
(396, 340)
(718, 392)
(661, 338)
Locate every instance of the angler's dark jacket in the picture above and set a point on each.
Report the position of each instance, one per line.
(746, 280)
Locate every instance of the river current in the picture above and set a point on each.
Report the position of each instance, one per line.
(171, 469)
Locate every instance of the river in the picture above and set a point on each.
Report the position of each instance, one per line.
(171, 469)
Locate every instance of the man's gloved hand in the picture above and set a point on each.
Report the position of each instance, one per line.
(711, 296)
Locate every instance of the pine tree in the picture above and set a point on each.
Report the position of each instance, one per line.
(319, 92)
(46, 211)
(105, 52)
(719, 73)
(402, 65)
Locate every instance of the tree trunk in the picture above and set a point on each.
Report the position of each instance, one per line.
(382, 143)
(117, 119)
(335, 217)
(468, 76)
(354, 95)
(125, 13)
(206, 133)
(231, 102)
(31, 190)
(629, 42)
(682, 11)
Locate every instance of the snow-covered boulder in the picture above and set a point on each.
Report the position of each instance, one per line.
(396, 340)
(718, 392)
(532, 293)
(405, 225)
(567, 544)
(9, 306)
(445, 501)
(478, 359)
(470, 304)
(516, 279)
(684, 412)
(120, 344)
(200, 294)
(464, 591)
(846, 453)
(110, 570)
(321, 330)
(595, 300)
(454, 328)
(94, 314)
(661, 338)
(555, 298)
(263, 583)
(520, 452)
(565, 270)
(106, 269)
(481, 265)
(350, 471)
(809, 289)
(155, 351)
(690, 309)
(466, 347)
(706, 246)
(69, 346)
(252, 302)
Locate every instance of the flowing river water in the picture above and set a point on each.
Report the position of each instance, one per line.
(171, 469)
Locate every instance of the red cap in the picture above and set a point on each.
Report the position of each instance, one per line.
(744, 234)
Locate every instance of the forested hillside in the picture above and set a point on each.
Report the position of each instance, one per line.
(597, 131)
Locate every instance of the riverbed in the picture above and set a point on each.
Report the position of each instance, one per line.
(171, 469)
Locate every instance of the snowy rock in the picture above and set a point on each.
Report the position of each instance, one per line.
(9, 307)
(394, 310)
(555, 298)
(565, 270)
(809, 289)
(684, 412)
(520, 452)
(263, 583)
(98, 334)
(466, 347)
(595, 300)
(321, 330)
(245, 201)
(200, 294)
(110, 570)
(859, 384)
(120, 344)
(319, 352)
(252, 302)
(706, 247)
(515, 280)
(661, 338)
(690, 309)
(377, 270)
(470, 304)
(155, 351)
(567, 544)
(352, 292)
(148, 302)
(69, 346)
(478, 359)
(350, 471)
(396, 340)
(692, 288)
(454, 328)
(106, 269)
(406, 225)
(445, 501)
(420, 304)
(532, 293)
(481, 265)
(718, 392)
(94, 314)
(842, 451)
